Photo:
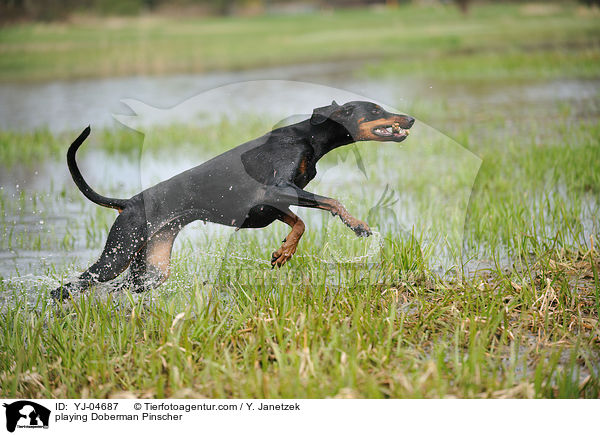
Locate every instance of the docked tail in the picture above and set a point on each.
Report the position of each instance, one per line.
(89, 193)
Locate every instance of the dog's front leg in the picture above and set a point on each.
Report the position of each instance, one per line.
(290, 194)
(290, 243)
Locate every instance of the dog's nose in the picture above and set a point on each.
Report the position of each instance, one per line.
(410, 121)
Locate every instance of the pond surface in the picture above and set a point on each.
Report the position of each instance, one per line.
(71, 105)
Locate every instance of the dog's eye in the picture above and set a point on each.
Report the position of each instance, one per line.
(348, 112)
(376, 111)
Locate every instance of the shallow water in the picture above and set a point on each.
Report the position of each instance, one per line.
(71, 105)
(37, 208)
(44, 204)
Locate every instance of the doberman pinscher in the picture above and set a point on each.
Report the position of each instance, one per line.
(249, 186)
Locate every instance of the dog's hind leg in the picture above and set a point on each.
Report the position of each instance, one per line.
(136, 272)
(151, 265)
(126, 237)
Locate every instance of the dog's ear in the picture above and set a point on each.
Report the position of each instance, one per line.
(322, 114)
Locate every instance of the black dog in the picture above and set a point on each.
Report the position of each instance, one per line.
(249, 186)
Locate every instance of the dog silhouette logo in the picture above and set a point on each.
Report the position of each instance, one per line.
(26, 414)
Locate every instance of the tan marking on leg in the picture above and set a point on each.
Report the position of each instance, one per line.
(290, 244)
(159, 252)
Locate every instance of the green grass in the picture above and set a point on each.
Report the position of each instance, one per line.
(493, 41)
(292, 333)
(386, 326)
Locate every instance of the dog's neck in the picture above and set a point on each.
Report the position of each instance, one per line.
(331, 136)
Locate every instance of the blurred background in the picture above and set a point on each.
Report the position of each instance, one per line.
(49, 10)
(461, 52)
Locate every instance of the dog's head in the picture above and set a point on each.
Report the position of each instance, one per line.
(365, 121)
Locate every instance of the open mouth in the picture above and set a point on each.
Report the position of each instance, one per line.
(393, 131)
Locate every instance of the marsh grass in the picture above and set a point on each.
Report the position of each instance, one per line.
(516, 315)
(532, 333)
(386, 325)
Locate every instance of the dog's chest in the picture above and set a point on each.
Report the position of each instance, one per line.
(305, 172)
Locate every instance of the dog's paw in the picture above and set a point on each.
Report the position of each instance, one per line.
(360, 228)
(283, 254)
(60, 294)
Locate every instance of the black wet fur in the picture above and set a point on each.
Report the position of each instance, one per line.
(249, 186)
